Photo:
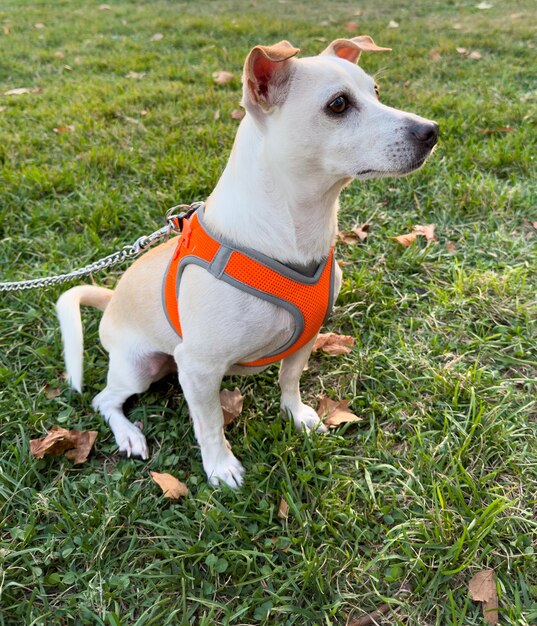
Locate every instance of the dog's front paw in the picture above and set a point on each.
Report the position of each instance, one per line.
(224, 468)
(305, 418)
(131, 441)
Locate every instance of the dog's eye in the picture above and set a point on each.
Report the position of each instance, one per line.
(338, 105)
(377, 90)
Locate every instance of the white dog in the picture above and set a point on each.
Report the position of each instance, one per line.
(312, 125)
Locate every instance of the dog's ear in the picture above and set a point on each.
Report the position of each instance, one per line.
(350, 49)
(267, 70)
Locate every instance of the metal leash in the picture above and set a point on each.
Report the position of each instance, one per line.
(174, 223)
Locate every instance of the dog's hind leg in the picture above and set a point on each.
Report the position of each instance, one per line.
(304, 417)
(128, 376)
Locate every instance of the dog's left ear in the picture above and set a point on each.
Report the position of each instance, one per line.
(267, 70)
(350, 49)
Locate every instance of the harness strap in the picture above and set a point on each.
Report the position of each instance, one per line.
(308, 299)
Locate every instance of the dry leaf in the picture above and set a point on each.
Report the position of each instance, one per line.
(283, 510)
(64, 128)
(393, 24)
(231, 402)
(76, 444)
(451, 247)
(157, 37)
(237, 114)
(216, 115)
(51, 392)
(137, 75)
(482, 588)
(427, 230)
(144, 112)
(501, 129)
(332, 343)
(461, 50)
(2, 109)
(104, 7)
(222, 77)
(475, 55)
(483, 6)
(351, 26)
(375, 617)
(5, 30)
(171, 487)
(362, 231)
(19, 91)
(333, 413)
(39, 25)
(434, 55)
(59, 54)
(406, 240)
(534, 224)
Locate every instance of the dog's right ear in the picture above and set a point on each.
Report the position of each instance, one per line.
(351, 49)
(267, 70)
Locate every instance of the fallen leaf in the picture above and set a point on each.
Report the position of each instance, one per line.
(501, 129)
(483, 6)
(144, 112)
(2, 109)
(482, 588)
(333, 413)
(19, 91)
(393, 24)
(64, 128)
(351, 26)
(534, 224)
(222, 77)
(457, 26)
(332, 343)
(406, 240)
(451, 247)
(427, 230)
(52, 392)
(39, 25)
(157, 37)
(137, 75)
(347, 237)
(75, 444)
(475, 55)
(5, 30)
(216, 115)
(171, 487)
(283, 510)
(375, 617)
(362, 231)
(104, 7)
(59, 54)
(237, 114)
(231, 402)
(434, 55)
(67, 68)
(461, 50)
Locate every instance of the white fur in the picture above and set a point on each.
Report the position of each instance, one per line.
(278, 194)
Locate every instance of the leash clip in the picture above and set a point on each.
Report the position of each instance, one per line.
(175, 221)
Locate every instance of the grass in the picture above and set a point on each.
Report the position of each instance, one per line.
(438, 481)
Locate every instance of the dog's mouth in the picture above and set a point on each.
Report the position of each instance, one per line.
(406, 169)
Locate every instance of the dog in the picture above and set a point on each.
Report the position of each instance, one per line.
(312, 125)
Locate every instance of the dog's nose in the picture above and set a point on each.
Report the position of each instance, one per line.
(425, 132)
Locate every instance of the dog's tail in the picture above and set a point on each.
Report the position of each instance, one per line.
(68, 310)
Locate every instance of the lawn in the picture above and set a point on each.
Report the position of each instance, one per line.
(439, 479)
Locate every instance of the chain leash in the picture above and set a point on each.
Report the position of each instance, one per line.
(174, 223)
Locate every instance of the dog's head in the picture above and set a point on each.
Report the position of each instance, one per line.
(323, 113)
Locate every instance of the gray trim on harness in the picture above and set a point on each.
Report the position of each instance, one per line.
(217, 268)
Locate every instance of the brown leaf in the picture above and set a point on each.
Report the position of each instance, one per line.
(76, 444)
(283, 510)
(157, 37)
(64, 128)
(237, 114)
(475, 55)
(5, 29)
(39, 25)
(137, 75)
(19, 91)
(482, 588)
(534, 224)
(427, 230)
(171, 487)
(59, 54)
(434, 55)
(393, 24)
(501, 129)
(2, 109)
(231, 402)
(347, 237)
(362, 231)
(406, 240)
(104, 7)
(451, 247)
(351, 26)
(222, 77)
(333, 413)
(332, 343)
(52, 392)
(461, 50)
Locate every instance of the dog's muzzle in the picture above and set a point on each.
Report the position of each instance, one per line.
(423, 134)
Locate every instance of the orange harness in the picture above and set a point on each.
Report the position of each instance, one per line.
(308, 299)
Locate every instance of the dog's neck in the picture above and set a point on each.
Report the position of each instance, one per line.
(276, 206)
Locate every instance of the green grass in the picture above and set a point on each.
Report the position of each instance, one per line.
(438, 481)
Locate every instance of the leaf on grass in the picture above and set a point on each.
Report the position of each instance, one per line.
(75, 444)
(362, 231)
(332, 343)
(52, 392)
(19, 91)
(375, 617)
(231, 402)
(237, 114)
(283, 510)
(423, 230)
(351, 26)
(335, 412)
(59, 54)
(434, 55)
(157, 37)
(484, 6)
(406, 240)
(171, 487)
(482, 588)
(451, 247)
(137, 75)
(39, 25)
(501, 129)
(64, 128)
(471, 54)
(104, 7)
(222, 77)
(393, 24)
(2, 109)
(534, 224)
